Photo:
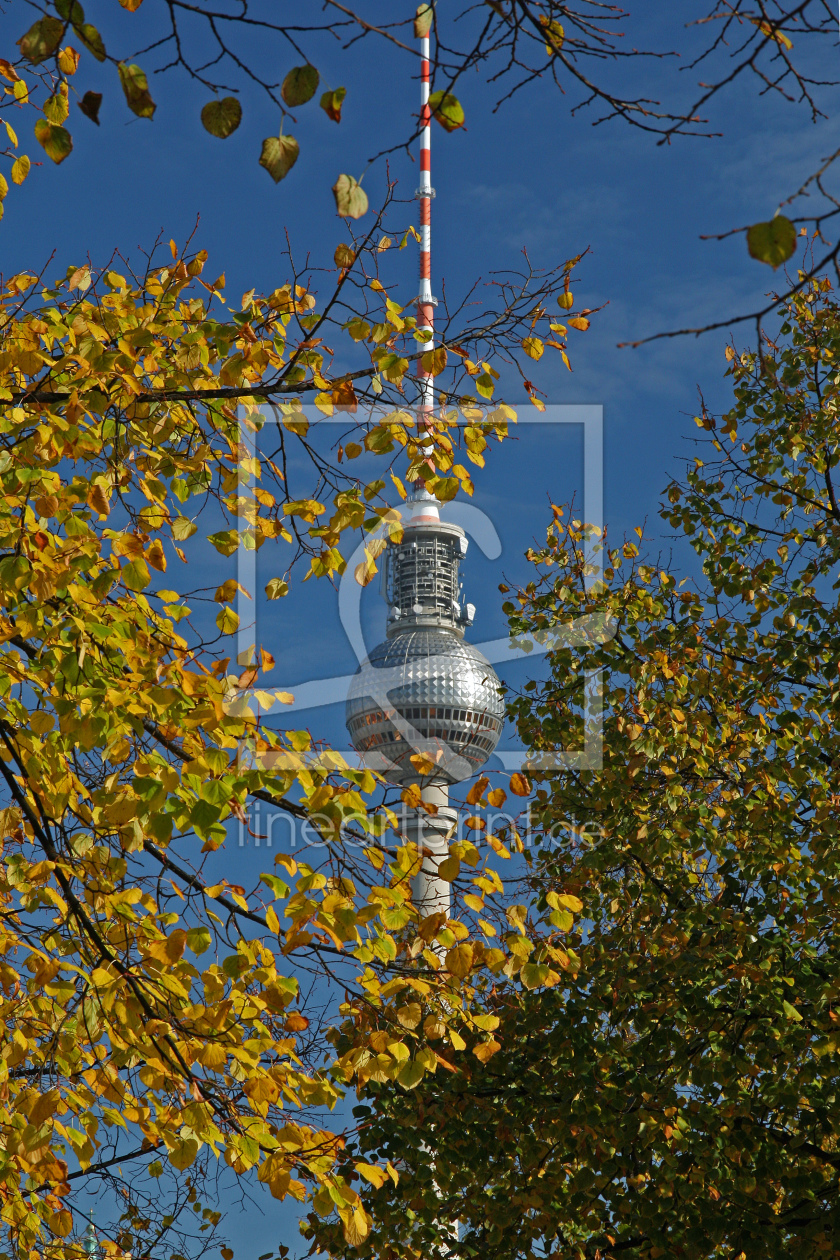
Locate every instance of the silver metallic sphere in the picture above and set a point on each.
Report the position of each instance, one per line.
(425, 690)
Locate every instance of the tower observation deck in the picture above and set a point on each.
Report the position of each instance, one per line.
(425, 689)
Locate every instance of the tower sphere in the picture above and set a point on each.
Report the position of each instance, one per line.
(424, 689)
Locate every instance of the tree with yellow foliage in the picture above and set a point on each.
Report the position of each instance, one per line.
(153, 1024)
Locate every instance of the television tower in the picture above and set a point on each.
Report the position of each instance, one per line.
(425, 690)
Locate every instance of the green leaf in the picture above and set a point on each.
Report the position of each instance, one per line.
(70, 10)
(276, 588)
(792, 1012)
(136, 90)
(332, 101)
(279, 154)
(221, 118)
(227, 620)
(534, 974)
(226, 541)
(199, 940)
(55, 141)
(423, 21)
(772, 243)
(447, 109)
(92, 40)
(56, 107)
(300, 85)
(41, 40)
(350, 198)
(135, 575)
(182, 528)
(277, 886)
(411, 1074)
(183, 1153)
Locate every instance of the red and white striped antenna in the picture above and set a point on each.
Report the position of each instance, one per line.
(425, 302)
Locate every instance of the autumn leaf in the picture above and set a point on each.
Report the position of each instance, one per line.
(554, 33)
(350, 198)
(136, 90)
(772, 32)
(300, 85)
(92, 41)
(772, 243)
(41, 40)
(56, 142)
(68, 61)
(278, 156)
(20, 168)
(221, 118)
(423, 20)
(447, 110)
(519, 785)
(459, 960)
(332, 101)
(89, 105)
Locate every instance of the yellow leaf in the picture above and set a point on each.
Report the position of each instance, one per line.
(459, 960)
(155, 555)
(183, 1153)
(356, 1225)
(41, 722)
(68, 60)
(376, 1176)
(20, 169)
(767, 29)
(410, 1015)
(477, 790)
(519, 785)
(227, 620)
(98, 500)
(44, 1108)
(422, 763)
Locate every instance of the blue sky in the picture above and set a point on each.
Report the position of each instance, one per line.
(528, 177)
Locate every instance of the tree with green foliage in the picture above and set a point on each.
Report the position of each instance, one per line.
(678, 1092)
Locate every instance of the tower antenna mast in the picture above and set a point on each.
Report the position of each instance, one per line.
(426, 303)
